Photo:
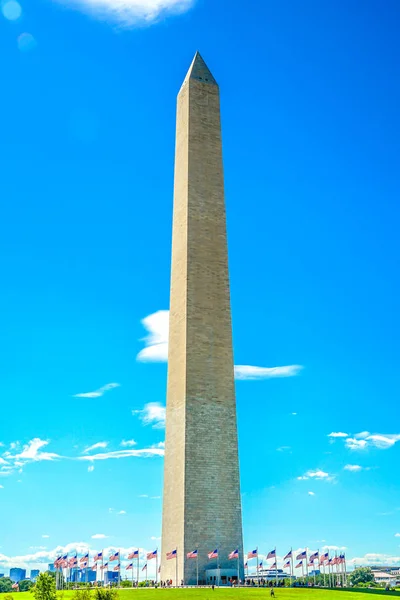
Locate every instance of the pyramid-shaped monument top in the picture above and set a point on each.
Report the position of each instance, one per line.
(199, 71)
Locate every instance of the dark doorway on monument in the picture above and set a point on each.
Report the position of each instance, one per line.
(221, 576)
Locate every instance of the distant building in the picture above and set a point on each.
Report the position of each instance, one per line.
(51, 568)
(269, 575)
(34, 574)
(111, 576)
(1, 575)
(385, 578)
(17, 574)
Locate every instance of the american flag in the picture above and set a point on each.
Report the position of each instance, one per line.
(313, 557)
(159, 569)
(129, 567)
(104, 566)
(172, 554)
(14, 586)
(273, 566)
(288, 555)
(84, 558)
(94, 568)
(310, 564)
(260, 565)
(152, 555)
(301, 555)
(117, 567)
(286, 565)
(73, 562)
(98, 556)
(213, 554)
(234, 554)
(342, 559)
(133, 554)
(84, 564)
(193, 554)
(145, 567)
(56, 562)
(114, 557)
(246, 565)
(323, 558)
(63, 564)
(299, 565)
(330, 561)
(271, 554)
(252, 553)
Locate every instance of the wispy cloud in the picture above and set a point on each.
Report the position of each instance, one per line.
(311, 493)
(397, 535)
(250, 373)
(99, 536)
(128, 13)
(2, 487)
(318, 474)
(354, 468)
(95, 447)
(90, 468)
(156, 350)
(139, 453)
(338, 434)
(152, 414)
(155, 539)
(98, 393)
(334, 547)
(283, 449)
(128, 443)
(374, 559)
(365, 439)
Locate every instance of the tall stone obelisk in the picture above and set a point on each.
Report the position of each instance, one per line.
(202, 503)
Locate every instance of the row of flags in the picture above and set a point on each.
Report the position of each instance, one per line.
(321, 559)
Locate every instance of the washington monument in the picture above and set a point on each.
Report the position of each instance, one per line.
(202, 504)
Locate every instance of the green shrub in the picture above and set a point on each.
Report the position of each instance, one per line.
(106, 594)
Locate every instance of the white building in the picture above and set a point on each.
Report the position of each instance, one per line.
(385, 578)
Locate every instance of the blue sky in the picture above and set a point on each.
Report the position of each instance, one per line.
(310, 95)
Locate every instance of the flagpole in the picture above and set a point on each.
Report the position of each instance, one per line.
(345, 571)
(314, 568)
(307, 562)
(176, 567)
(156, 564)
(197, 566)
(291, 565)
(119, 564)
(238, 568)
(137, 580)
(323, 564)
(258, 576)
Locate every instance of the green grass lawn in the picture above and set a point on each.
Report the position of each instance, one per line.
(227, 594)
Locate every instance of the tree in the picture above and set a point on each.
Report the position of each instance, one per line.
(45, 588)
(25, 585)
(361, 575)
(5, 585)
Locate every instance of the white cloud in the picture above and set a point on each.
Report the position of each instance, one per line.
(143, 496)
(397, 535)
(352, 468)
(128, 443)
(98, 393)
(90, 468)
(95, 447)
(142, 453)
(129, 12)
(354, 444)
(294, 414)
(155, 497)
(311, 493)
(152, 414)
(2, 487)
(156, 350)
(334, 547)
(317, 474)
(45, 536)
(31, 451)
(374, 559)
(250, 373)
(338, 434)
(99, 536)
(155, 539)
(363, 440)
(283, 448)
(122, 512)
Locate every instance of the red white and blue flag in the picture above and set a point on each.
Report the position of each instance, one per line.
(114, 556)
(287, 565)
(129, 567)
(98, 556)
(342, 559)
(273, 566)
(116, 568)
(15, 586)
(301, 555)
(213, 554)
(57, 561)
(246, 565)
(73, 561)
(193, 554)
(299, 565)
(94, 568)
(288, 555)
(260, 565)
(152, 555)
(84, 558)
(145, 567)
(234, 554)
(172, 554)
(104, 566)
(133, 554)
(252, 553)
(314, 557)
(323, 558)
(84, 564)
(271, 554)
